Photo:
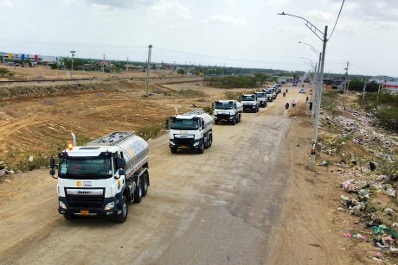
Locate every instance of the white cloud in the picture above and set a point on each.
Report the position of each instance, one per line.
(6, 3)
(170, 8)
(226, 20)
(118, 3)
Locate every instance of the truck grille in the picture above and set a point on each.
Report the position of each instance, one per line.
(184, 141)
(85, 201)
(223, 116)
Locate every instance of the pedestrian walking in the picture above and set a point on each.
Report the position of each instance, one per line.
(287, 105)
(294, 103)
(306, 99)
(284, 94)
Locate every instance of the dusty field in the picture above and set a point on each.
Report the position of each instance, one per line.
(296, 223)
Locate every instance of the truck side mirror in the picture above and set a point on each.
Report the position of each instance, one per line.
(52, 166)
(52, 162)
(121, 163)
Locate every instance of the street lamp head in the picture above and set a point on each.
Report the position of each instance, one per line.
(282, 14)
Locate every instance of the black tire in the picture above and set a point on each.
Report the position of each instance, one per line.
(207, 142)
(138, 191)
(201, 148)
(145, 184)
(239, 117)
(210, 139)
(121, 218)
(234, 121)
(173, 150)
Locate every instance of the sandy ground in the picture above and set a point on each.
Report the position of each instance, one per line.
(249, 199)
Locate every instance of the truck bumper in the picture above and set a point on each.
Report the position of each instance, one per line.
(224, 118)
(84, 207)
(250, 108)
(184, 145)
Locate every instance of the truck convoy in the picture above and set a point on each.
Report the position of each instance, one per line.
(250, 102)
(102, 177)
(191, 130)
(228, 111)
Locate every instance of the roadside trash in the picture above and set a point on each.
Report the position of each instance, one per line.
(372, 165)
(363, 193)
(346, 184)
(324, 163)
(379, 242)
(349, 235)
(378, 229)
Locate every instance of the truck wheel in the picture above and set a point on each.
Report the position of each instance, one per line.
(138, 191)
(145, 184)
(207, 143)
(201, 148)
(173, 150)
(234, 121)
(239, 117)
(121, 218)
(210, 139)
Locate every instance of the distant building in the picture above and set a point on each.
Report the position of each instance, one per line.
(17, 57)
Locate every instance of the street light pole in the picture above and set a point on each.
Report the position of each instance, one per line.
(103, 64)
(319, 88)
(323, 37)
(73, 55)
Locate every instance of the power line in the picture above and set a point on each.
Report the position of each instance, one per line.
(337, 19)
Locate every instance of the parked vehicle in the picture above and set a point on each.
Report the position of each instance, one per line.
(227, 111)
(102, 177)
(302, 91)
(250, 102)
(192, 130)
(261, 96)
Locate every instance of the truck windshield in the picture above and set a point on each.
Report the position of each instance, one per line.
(260, 95)
(87, 167)
(224, 105)
(184, 124)
(248, 98)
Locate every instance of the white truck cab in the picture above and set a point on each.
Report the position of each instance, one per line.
(227, 111)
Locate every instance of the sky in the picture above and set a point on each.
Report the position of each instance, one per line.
(234, 33)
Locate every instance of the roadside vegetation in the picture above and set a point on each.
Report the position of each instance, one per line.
(4, 72)
(383, 106)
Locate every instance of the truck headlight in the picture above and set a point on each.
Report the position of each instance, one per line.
(109, 206)
(62, 205)
(172, 143)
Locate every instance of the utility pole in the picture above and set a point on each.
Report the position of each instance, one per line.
(148, 69)
(73, 55)
(127, 65)
(364, 89)
(103, 64)
(346, 78)
(174, 68)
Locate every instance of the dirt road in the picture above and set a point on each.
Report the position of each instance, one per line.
(234, 204)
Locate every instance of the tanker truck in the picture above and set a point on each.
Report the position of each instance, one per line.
(102, 177)
(227, 111)
(191, 130)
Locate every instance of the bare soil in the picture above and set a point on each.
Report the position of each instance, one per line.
(302, 227)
